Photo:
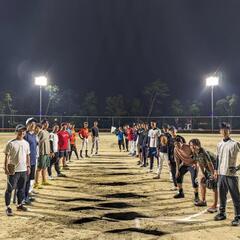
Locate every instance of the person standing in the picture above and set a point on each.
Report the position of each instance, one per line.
(44, 155)
(30, 137)
(120, 135)
(95, 138)
(144, 145)
(227, 152)
(73, 139)
(17, 168)
(154, 134)
(84, 135)
(126, 137)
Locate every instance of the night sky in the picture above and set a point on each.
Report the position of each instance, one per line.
(119, 46)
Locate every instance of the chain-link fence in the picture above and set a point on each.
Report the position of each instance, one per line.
(187, 123)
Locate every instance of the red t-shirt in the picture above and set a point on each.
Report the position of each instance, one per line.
(130, 135)
(84, 132)
(63, 138)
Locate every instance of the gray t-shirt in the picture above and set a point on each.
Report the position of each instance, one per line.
(18, 151)
(44, 143)
(227, 152)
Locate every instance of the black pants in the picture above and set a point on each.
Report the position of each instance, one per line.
(30, 177)
(229, 183)
(144, 155)
(173, 172)
(126, 144)
(121, 144)
(73, 149)
(54, 161)
(183, 170)
(16, 181)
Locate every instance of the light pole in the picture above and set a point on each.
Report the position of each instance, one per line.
(212, 82)
(40, 81)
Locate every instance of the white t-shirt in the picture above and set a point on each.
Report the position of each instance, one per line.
(18, 151)
(54, 139)
(227, 153)
(153, 135)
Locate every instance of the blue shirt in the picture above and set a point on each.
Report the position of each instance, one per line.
(120, 135)
(32, 140)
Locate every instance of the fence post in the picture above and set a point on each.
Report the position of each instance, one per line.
(112, 121)
(3, 122)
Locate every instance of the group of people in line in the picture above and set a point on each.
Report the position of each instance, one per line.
(31, 155)
(217, 172)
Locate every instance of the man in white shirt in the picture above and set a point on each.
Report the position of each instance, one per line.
(227, 152)
(153, 141)
(17, 167)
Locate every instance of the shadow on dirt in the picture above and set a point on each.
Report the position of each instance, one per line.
(138, 230)
(80, 199)
(124, 195)
(76, 209)
(113, 184)
(118, 205)
(85, 220)
(124, 216)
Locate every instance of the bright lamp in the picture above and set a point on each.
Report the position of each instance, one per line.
(212, 81)
(41, 81)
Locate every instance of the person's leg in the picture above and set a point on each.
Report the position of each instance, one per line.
(182, 171)
(223, 191)
(127, 144)
(52, 161)
(70, 153)
(235, 194)
(21, 187)
(194, 176)
(97, 145)
(93, 144)
(11, 185)
(86, 151)
(75, 151)
(119, 145)
(82, 148)
(161, 159)
(173, 172)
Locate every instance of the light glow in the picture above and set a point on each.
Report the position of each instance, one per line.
(212, 81)
(41, 81)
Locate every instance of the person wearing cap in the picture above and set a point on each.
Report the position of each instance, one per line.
(30, 137)
(153, 138)
(17, 168)
(225, 171)
(95, 138)
(84, 135)
(44, 155)
(172, 162)
(144, 145)
(63, 145)
(73, 140)
(185, 163)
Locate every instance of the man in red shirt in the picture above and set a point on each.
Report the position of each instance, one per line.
(84, 134)
(130, 137)
(63, 140)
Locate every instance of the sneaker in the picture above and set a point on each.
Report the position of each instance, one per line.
(143, 165)
(46, 184)
(200, 203)
(179, 195)
(150, 170)
(212, 210)
(9, 212)
(27, 202)
(220, 217)
(156, 177)
(50, 178)
(236, 221)
(173, 189)
(22, 208)
(61, 175)
(37, 186)
(196, 201)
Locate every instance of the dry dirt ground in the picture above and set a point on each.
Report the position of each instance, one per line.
(110, 197)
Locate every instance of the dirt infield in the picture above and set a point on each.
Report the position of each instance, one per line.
(110, 197)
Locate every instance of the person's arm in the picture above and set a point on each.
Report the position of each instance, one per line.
(6, 162)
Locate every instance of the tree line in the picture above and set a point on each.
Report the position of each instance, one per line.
(154, 100)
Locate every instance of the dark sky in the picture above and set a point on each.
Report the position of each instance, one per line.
(116, 46)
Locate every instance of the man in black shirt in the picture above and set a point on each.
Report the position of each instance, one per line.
(95, 137)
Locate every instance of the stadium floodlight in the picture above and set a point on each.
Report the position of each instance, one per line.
(40, 81)
(212, 82)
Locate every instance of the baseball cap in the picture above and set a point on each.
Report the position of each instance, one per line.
(20, 127)
(44, 121)
(225, 125)
(172, 128)
(64, 124)
(30, 120)
(165, 126)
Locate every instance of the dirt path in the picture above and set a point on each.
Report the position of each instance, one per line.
(110, 197)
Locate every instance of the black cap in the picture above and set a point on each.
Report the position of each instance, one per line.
(172, 128)
(178, 139)
(20, 127)
(225, 125)
(64, 124)
(44, 121)
(165, 126)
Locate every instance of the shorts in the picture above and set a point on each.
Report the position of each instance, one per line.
(63, 153)
(153, 152)
(32, 173)
(43, 162)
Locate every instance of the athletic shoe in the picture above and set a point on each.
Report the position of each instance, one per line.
(27, 202)
(212, 210)
(196, 201)
(61, 175)
(37, 186)
(200, 203)
(142, 165)
(179, 195)
(236, 221)
(46, 184)
(66, 167)
(220, 217)
(150, 171)
(156, 177)
(50, 178)
(9, 212)
(22, 208)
